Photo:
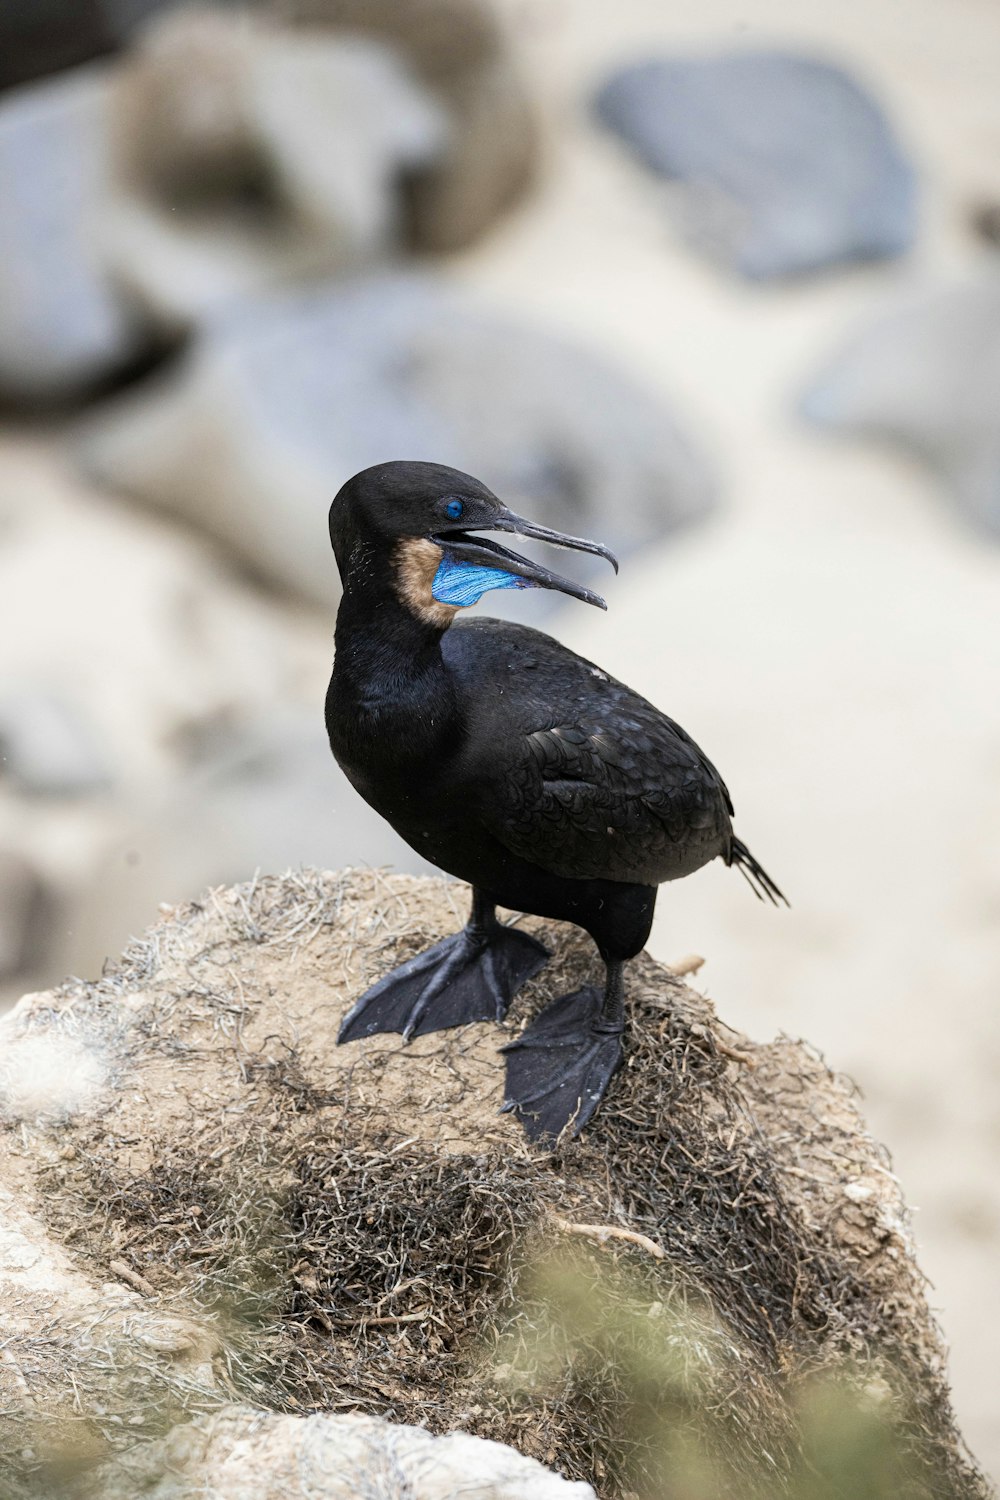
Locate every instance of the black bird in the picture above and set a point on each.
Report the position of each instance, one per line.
(512, 763)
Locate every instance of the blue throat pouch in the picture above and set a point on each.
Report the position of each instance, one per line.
(463, 584)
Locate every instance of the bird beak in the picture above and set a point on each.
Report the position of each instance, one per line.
(461, 546)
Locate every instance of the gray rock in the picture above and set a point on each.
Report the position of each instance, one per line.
(245, 1454)
(251, 156)
(459, 49)
(790, 166)
(38, 37)
(985, 220)
(262, 794)
(282, 402)
(266, 793)
(24, 908)
(927, 375)
(47, 748)
(62, 324)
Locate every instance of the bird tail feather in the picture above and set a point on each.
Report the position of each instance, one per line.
(754, 874)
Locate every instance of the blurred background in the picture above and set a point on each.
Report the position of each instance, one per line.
(718, 283)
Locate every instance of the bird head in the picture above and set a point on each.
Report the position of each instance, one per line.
(427, 520)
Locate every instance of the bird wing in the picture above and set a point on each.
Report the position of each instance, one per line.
(597, 782)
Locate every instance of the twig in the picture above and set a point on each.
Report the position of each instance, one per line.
(419, 1317)
(18, 1373)
(740, 1057)
(604, 1232)
(132, 1277)
(689, 964)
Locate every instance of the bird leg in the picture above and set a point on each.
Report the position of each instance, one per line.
(471, 976)
(561, 1065)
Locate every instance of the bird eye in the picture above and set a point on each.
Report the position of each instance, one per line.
(454, 509)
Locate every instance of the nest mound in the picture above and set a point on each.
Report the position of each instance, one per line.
(359, 1229)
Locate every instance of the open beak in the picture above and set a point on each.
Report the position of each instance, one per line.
(460, 545)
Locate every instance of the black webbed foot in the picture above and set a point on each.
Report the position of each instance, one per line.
(472, 976)
(561, 1065)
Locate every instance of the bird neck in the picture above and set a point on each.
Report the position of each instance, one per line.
(390, 688)
(381, 639)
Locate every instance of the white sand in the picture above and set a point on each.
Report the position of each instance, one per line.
(833, 639)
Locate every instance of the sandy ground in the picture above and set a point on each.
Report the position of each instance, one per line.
(832, 639)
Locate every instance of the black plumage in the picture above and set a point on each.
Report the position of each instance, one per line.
(512, 763)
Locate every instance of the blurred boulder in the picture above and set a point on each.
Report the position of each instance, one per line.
(229, 154)
(251, 156)
(63, 326)
(24, 907)
(38, 37)
(47, 748)
(789, 165)
(263, 792)
(459, 50)
(927, 374)
(279, 403)
(985, 219)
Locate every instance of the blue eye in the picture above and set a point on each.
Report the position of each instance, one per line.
(454, 509)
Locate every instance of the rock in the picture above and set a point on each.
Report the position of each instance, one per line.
(24, 909)
(39, 38)
(789, 165)
(129, 639)
(926, 374)
(134, 631)
(282, 402)
(200, 1192)
(228, 154)
(252, 156)
(63, 325)
(58, 1313)
(263, 792)
(985, 220)
(47, 748)
(44, 36)
(459, 49)
(241, 1454)
(90, 1325)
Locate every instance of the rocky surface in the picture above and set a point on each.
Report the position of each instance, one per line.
(231, 151)
(985, 219)
(63, 324)
(38, 37)
(241, 1454)
(25, 915)
(47, 748)
(254, 435)
(131, 666)
(256, 790)
(464, 55)
(250, 156)
(237, 1452)
(203, 1199)
(925, 374)
(789, 165)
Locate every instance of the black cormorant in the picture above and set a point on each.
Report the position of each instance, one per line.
(512, 763)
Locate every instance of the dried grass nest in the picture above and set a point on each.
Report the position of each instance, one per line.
(359, 1229)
